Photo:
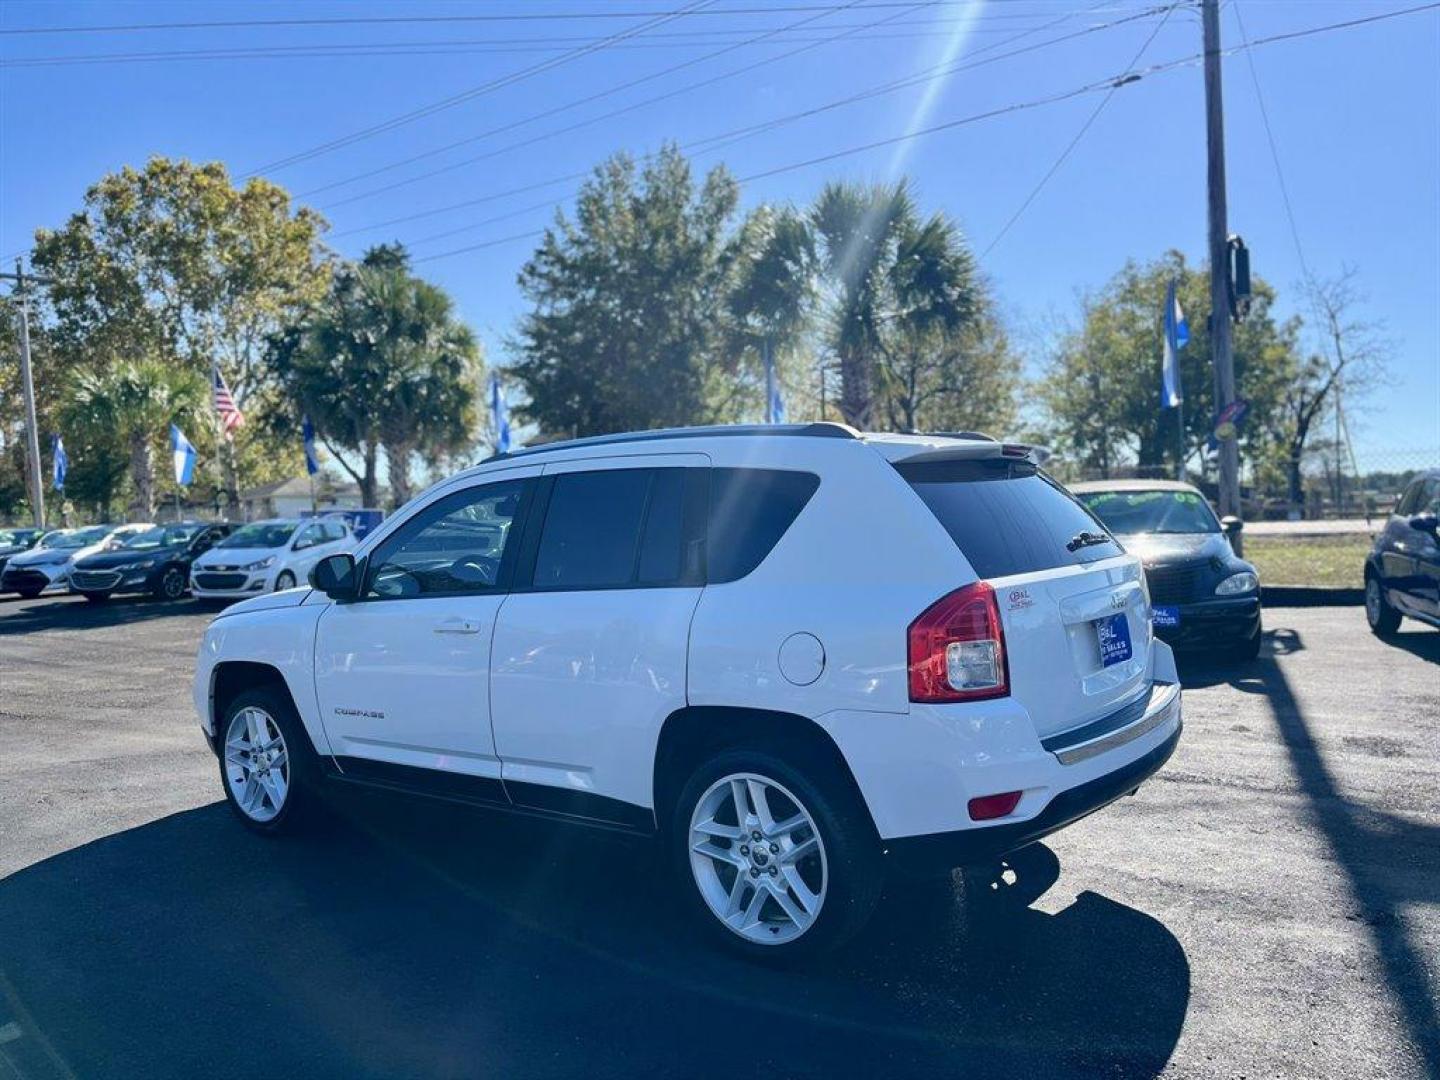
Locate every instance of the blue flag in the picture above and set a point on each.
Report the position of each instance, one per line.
(184, 454)
(62, 463)
(307, 432)
(774, 400)
(500, 412)
(1177, 334)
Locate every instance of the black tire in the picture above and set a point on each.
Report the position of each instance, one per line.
(303, 774)
(29, 594)
(284, 580)
(96, 597)
(854, 874)
(1384, 620)
(172, 584)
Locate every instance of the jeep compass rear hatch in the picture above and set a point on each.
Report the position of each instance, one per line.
(1076, 629)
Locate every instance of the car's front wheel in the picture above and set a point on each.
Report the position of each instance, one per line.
(265, 761)
(1383, 619)
(776, 861)
(172, 584)
(96, 597)
(29, 594)
(284, 580)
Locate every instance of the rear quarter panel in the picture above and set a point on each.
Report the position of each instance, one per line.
(860, 562)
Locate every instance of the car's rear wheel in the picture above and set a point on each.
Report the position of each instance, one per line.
(773, 861)
(1383, 619)
(284, 580)
(172, 584)
(265, 761)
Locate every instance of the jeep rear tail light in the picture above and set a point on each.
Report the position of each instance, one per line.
(957, 648)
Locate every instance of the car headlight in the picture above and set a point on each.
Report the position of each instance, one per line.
(261, 565)
(1237, 584)
(138, 564)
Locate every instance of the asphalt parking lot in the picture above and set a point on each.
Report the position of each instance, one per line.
(1268, 905)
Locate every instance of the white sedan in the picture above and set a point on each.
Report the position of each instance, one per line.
(267, 556)
(47, 565)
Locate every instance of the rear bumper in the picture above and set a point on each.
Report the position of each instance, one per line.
(943, 851)
(1213, 623)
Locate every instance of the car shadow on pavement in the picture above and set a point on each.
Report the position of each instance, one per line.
(412, 940)
(77, 613)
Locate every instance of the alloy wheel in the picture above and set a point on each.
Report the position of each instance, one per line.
(257, 765)
(1372, 601)
(758, 859)
(173, 584)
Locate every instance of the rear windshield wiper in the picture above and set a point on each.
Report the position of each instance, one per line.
(1085, 538)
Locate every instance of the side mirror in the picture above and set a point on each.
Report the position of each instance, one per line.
(1426, 523)
(1231, 524)
(336, 577)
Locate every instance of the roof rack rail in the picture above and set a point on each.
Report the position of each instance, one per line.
(819, 430)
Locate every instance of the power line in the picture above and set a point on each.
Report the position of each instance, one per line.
(458, 47)
(475, 91)
(1105, 84)
(587, 100)
(727, 138)
(390, 20)
(1274, 150)
(1085, 127)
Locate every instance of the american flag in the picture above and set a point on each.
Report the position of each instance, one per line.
(230, 415)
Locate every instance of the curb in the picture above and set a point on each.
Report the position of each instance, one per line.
(1309, 596)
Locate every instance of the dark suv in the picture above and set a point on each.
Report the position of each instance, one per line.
(1402, 571)
(156, 561)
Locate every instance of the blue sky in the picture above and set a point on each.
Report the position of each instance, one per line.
(1355, 114)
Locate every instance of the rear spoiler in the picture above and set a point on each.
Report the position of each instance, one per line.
(931, 449)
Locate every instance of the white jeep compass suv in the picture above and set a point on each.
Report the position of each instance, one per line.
(796, 654)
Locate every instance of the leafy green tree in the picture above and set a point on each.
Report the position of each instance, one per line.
(173, 261)
(383, 364)
(1102, 389)
(137, 401)
(967, 379)
(628, 325)
(893, 281)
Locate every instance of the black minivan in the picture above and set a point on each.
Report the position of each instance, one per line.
(1402, 571)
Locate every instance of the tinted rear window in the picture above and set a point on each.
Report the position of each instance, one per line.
(750, 509)
(1006, 517)
(592, 528)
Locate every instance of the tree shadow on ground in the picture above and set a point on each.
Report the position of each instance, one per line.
(430, 942)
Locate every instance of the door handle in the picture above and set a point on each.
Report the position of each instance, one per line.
(457, 626)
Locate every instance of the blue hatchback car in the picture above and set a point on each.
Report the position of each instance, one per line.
(1402, 571)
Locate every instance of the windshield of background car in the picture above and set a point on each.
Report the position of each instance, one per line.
(259, 535)
(163, 537)
(80, 538)
(1129, 512)
(1006, 516)
(9, 539)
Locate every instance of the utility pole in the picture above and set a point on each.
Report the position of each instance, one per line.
(37, 483)
(1219, 259)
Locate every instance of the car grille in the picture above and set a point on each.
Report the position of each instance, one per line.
(95, 579)
(1175, 584)
(220, 581)
(18, 578)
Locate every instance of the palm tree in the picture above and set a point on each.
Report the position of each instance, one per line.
(137, 400)
(384, 364)
(888, 276)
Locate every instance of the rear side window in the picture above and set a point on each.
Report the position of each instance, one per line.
(592, 529)
(1007, 517)
(750, 509)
